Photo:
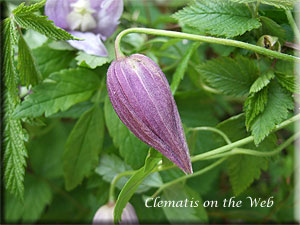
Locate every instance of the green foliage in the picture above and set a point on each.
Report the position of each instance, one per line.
(230, 76)
(276, 110)
(83, 146)
(219, 18)
(193, 213)
(131, 148)
(62, 90)
(244, 169)
(22, 9)
(28, 70)
(288, 81)
(285, 4)
(270, 27)
(261, 82)
(42, 25)
(135, 180)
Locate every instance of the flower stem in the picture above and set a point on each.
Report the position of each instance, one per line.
(221, 133)
(208, 39)
(293, 24)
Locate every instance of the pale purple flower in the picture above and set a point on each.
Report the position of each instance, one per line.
(105, 215)
(141, 96)
(91, 20)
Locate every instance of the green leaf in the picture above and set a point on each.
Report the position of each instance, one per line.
(27, 67)
(285, 4)
(276, 110)
(92, 61)
(220, 18)
(131, 148)
(262, 82)
(51, 60)
(22, 9)
(60, 92)
(230, 76)
(42, 25)
(270, 27)
(244, 169)
(180, 71)
(178, 213)
(135, 180)
(37, 196)
(288, 81)
(83, 147)
(254, 105)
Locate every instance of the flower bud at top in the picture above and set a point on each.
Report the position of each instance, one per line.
(105, 215)
(142, 98)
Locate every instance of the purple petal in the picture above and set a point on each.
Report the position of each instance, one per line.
(57, 11)
(141, 96)
(91, 44)
(108, 17)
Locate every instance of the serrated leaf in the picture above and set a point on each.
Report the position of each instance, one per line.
(111, 165)
(276, 110)
(220, 18)
(230, 76)
(22, 9)
(131, 148)
(262, 81)
(37, 196)
(181, 68)
(83, 147)
(132, 184)
(176, 212)
(42, 25)
(92, 61)
(29, 73)
(51, 60)
(285, 4)
(288, 81)
(244, 169)
(254, 105)
(62, 90)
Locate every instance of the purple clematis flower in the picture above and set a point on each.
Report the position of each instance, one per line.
(91, 20)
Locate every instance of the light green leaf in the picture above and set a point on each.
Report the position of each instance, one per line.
(254, 105)
(27, 68)
(181, 68)
(37, 196)
(220, 18)
(244, 169)
(83, 147)
(288, 81)
(135, 180)
(262, 81)
(42, 25)
(131, 148)
(279, 103)
(177, 212)
(285, 4)
(60, 92)
(22, 9)
(230, 76)
(50, 60)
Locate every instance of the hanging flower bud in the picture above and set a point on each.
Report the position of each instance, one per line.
(142, 98)
(105, 215)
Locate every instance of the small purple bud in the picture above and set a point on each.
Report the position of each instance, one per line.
(105, 215)
(142, 98)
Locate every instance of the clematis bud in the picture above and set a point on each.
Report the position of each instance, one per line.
(105, 215)
(142, 98)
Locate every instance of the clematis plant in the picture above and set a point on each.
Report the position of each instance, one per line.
(91, 20)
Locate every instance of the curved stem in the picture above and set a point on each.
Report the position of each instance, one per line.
(293, 24)
(213, 165)
(221, 133)
(212, 40)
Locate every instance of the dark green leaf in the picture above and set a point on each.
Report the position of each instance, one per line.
(27, 67)
(231, 76)
(285, 4)
(83, 147)
(221, 18)
(131, 148)
(60, 92)
(270, 27)
(288, 81)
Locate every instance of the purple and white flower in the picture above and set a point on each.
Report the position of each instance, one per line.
(91, 20)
